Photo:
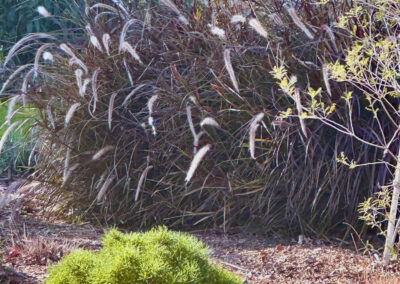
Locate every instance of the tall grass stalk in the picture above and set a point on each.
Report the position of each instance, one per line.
(198, 157)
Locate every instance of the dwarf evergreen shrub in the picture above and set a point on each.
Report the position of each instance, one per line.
(157, 256)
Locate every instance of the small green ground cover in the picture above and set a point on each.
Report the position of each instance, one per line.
(157, 256)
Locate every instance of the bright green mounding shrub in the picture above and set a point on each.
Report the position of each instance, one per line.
(157, 256)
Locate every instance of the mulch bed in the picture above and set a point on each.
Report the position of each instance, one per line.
(30, 243)
(260, 260)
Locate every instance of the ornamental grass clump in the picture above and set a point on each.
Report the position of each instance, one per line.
(157, 256)
(367, 110)
(147, 89)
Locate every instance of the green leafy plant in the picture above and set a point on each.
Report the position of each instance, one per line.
(18, 146)
(157, 256)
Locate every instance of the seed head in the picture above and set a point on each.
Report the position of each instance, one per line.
(237, 19)
(256, 25)
(42, 11)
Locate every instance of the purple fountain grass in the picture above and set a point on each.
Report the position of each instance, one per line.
(198, 157)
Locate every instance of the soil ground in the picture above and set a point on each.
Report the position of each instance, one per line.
(30, 243)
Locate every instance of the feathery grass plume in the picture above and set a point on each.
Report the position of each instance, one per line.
(6, 133)
(183, 20)
(196, 161)
(104, 188)
(189, 118)
(237, 19)
(66, 164)
(27, 77)
(209, 121)
(111, 109)
(150, 103)
(70, 113)
(141, 180)
(298, 22)
(77, 61)
(101, 152)
(325, 76)
(68, 174)
(123, 33)
(299, 108)
(11, 104)
(43, 11)
(126, 46)
(12, 76)
(106, 42)
(228, 65)
(193, 99)
(74, 59)
(256, 25)
(78, 75)
(95, 42)
(14, 50)
(131, 94)
(147, 19)
(37, 57)
(217, 32)
(89, 30)
(47, 56)
(82, 90)
(252, 133)
(151, 123)
(50, 116)
(67, 50)
(95, 76)
(252, 139)
(169, 4)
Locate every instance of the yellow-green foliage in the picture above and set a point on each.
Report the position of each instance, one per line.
(157, 256)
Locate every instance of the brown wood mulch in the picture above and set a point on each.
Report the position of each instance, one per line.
(30, 243)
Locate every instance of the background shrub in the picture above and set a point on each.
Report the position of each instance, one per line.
(20, 17)
(157, 256)
(17, 19)
(17, 150)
